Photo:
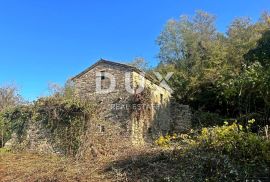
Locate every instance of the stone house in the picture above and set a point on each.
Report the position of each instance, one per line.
(113, 86)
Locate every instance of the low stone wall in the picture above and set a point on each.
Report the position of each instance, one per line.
(181, 117)
(36, 138)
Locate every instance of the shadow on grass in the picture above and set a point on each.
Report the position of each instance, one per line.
(195, 164)
(151, 166)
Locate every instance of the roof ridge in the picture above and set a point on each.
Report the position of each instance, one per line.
(120, 63)
(133, 68)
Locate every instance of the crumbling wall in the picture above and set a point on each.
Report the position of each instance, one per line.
(102, 139)
(36, 138)
(181, 117)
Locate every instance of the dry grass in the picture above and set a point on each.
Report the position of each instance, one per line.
(28, 167)
(34, 167)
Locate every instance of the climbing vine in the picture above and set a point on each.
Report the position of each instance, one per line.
(141, 104)
(65, 119)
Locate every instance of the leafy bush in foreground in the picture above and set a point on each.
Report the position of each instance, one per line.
(236, 141)
(226, 153)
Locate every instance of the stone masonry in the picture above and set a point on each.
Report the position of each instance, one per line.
(115, 105)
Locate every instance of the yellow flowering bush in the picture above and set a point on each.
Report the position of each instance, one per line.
(164, 141)
(236, 140)
(231, 152)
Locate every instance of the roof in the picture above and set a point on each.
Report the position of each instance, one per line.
(131, 68)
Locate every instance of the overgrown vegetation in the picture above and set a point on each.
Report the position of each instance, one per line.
(226, 74)
(64, 116)
(9, 98)
(141, 104)
(226, 153)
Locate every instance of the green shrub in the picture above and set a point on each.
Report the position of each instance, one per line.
(65, 119)
(230, 152)
(14, 120)
(236, 141)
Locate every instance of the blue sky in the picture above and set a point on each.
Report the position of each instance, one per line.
(52, 40)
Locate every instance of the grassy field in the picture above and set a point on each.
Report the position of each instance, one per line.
(28, 167)
(135, 166)
(31, 167)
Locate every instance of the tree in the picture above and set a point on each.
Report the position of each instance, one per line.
(9, 97)
(262, 52)
(140, 63)
(195, 49)
(217, 72)
(171, 41)
(242, 36)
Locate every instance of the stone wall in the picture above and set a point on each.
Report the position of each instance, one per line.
(36, 138)
(114, 107)
(181, 117)
(156, 120)
(86, 83)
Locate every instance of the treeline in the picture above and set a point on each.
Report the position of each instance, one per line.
(220, 75)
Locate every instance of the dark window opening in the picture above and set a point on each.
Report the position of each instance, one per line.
(161, 98)
(102, 74)
(150, 130)
(101, 128)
